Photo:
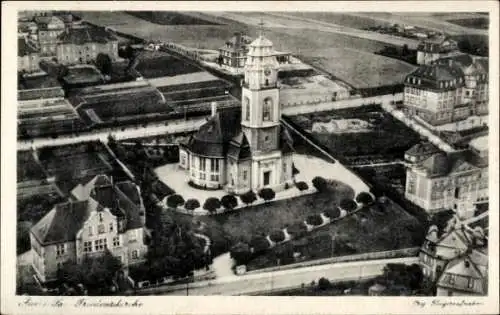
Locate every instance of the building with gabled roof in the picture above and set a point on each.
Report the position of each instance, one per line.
(99, 217)
(438, 181)
(437, 47)
(248, 149)
(28, 55)
(456, 259)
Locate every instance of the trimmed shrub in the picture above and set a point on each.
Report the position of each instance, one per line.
(348, 205)
(324, 284)
(229, 201)
(364, 198)
(332, 213)
(267, 194)
(249, 197)
(277, 236)
(314, 219)
(192, 204)
(302, 186)
(297, 229)
(174, 201)
(320, 183)
(259, 244)
(211, 204)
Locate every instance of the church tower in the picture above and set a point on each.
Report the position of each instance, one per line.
(260, 119)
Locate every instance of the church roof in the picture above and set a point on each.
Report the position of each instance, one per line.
(420, 149)
(261, 41)
(239, 147)
(212, 139)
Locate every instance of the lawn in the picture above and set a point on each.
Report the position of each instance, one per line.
(259, 220)
(358, 68)
(388, 136)
(161, 64)
(479, 22)
(381, 227)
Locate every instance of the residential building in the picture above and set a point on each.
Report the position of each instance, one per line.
(437, 181)
(434, 48)
(455, 258)
(234, 52)
(247, 151)
(28, 56)
(450, 93)
(101, 216)
(82, 44)
(49, 28)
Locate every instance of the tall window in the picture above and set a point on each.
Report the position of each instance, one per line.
(266, 109)
(202, 164)
(87, 247)
(100, 244)
(214, 165)
(91, 231)
(60, 249)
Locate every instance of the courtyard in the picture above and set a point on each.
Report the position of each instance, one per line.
(309, 167)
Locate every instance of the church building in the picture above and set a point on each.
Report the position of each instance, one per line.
(247, 150)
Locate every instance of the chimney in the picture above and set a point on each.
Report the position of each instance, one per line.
(214, 108)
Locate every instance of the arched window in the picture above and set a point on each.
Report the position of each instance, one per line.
(267, 109)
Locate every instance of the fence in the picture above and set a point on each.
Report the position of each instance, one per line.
(398, 253)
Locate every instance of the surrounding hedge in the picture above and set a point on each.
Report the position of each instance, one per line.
(249, 197)
(174, 201)
(277, 236)
(229, 202)
(192, 204)
(314, 219)
(211, 204)
(302, 186)
(348, 205)
(267, 194)
(333, 213)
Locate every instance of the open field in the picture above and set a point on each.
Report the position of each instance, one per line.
(160, 64)
(479, 23)
(170, 18)
(358, 68)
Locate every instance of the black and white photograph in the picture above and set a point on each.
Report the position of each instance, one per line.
(284, 153)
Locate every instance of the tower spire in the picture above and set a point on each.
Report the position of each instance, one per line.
(261, 26)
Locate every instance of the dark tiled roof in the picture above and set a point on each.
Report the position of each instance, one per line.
(83, 35)
(464, 60)
(424, 148)
(286, 141)
(437, 164)
(436, 77)
(63, 222)
(439, 44)
(32, 82)
(131, 191)
(25, 48)
(239, 148)
(237, 42)
(440, 164)
(26, 95)
(213, 138)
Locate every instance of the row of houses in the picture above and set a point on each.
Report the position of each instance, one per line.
(61, 38)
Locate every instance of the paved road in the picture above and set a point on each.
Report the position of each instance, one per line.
(173, 126)
(249, 284)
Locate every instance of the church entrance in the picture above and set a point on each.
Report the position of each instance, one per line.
(267, 178)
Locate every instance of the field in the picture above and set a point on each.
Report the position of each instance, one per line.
(160, 64)
(479, 22)
(360, 69)
(358, 22)
(388, 136)
(170, 18)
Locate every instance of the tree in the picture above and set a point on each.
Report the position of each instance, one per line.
(324, 284)
(364, 198)
(267, 194)
(259, 244)
(302, 186)
(297, 229)
(320, 184)
(332, 213)
(211, 204)
(192, 204)
(314, 219)
(277, 236)
(173, 201)
(229, 202)
(241, 253)
(248, 198)
(348, 205)
(104, 64)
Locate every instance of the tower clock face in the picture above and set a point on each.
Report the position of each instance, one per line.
(267, 71)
